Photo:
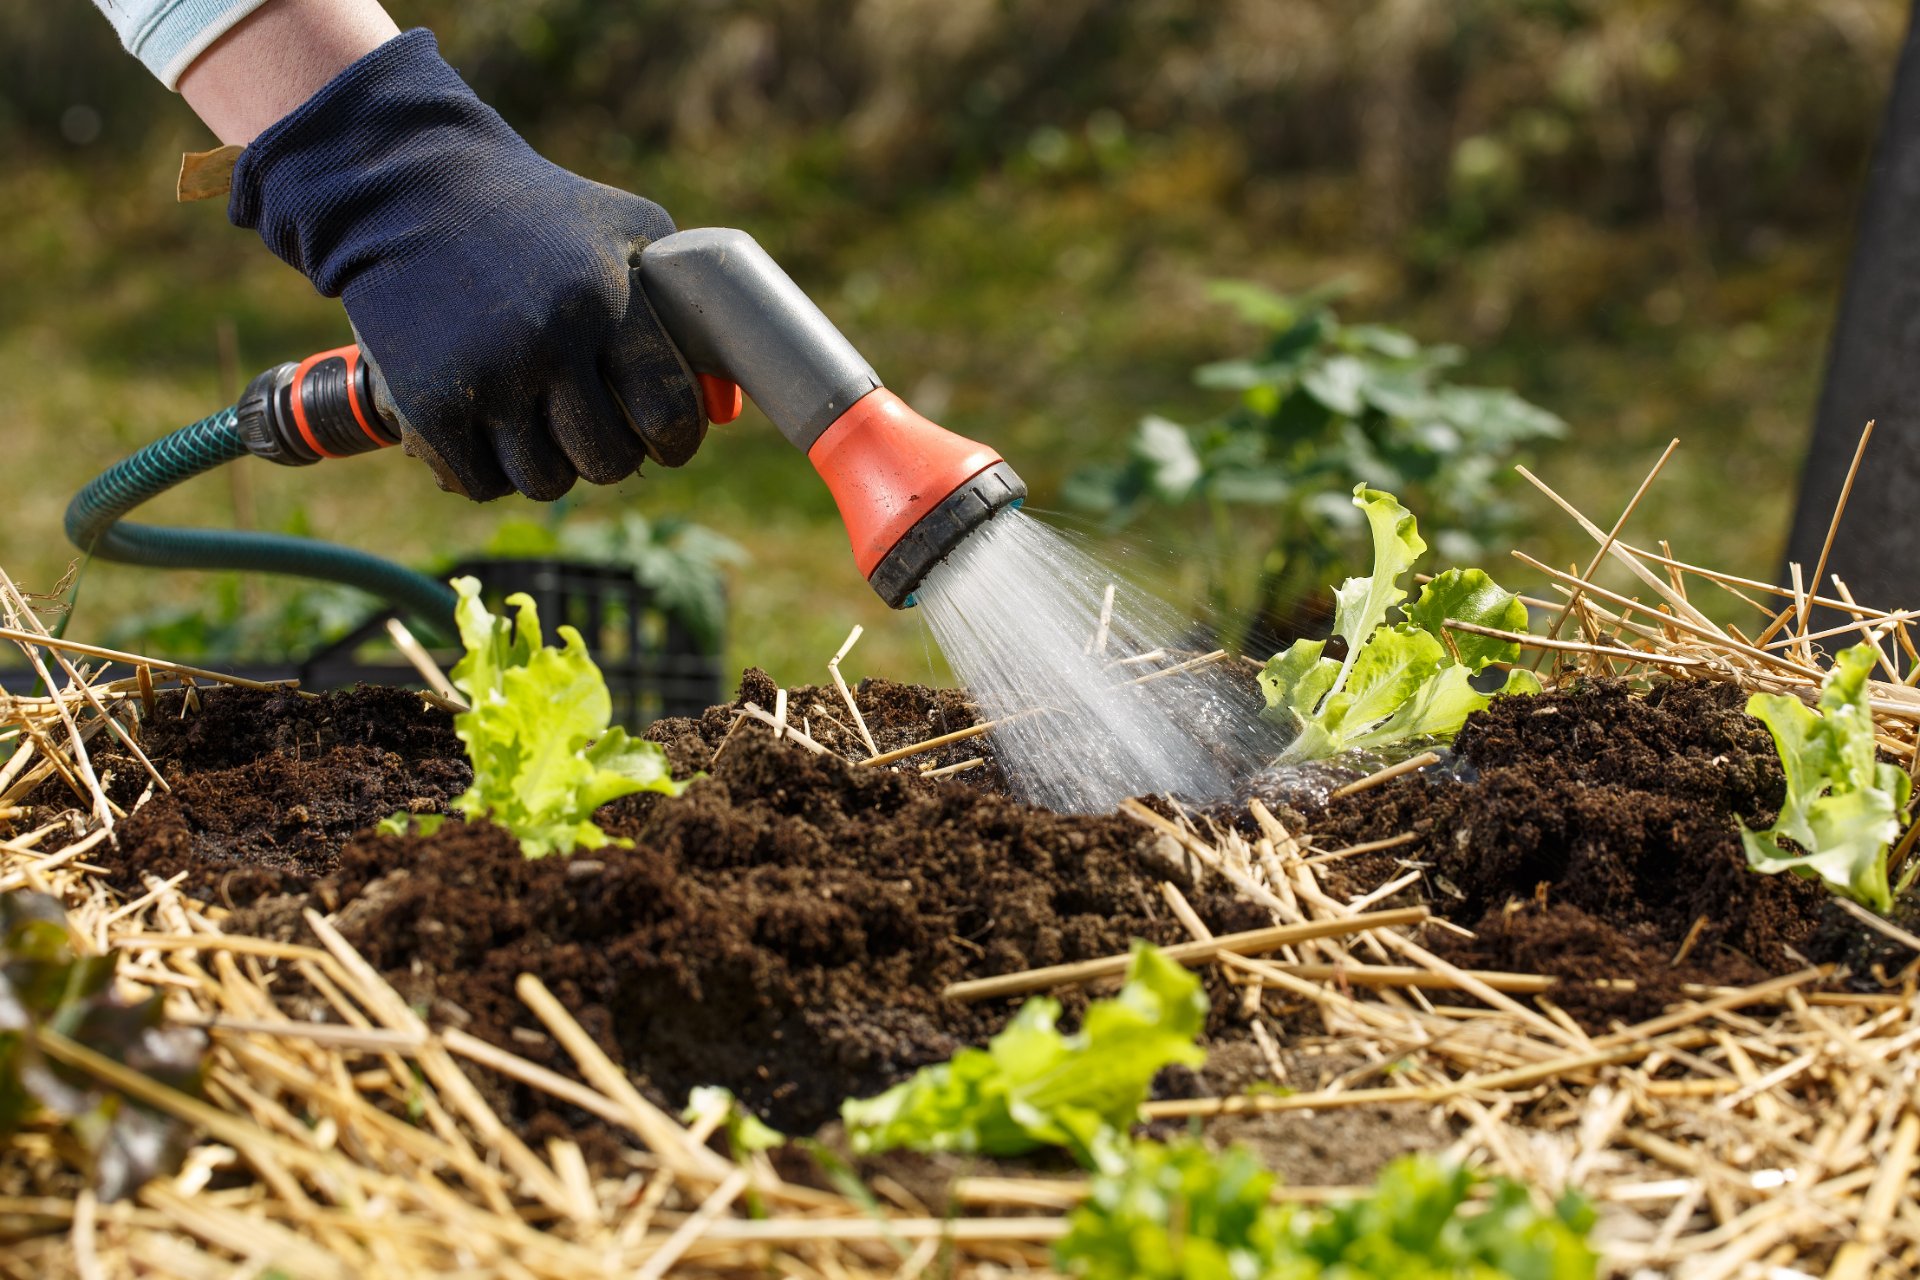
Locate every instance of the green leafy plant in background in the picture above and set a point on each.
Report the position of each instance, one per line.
(682, 563)
(1181, 1212)
(537, 733)
(47, 987)
(1033, 1086)
(1402, 680)
(227, 623)
(1320, 404)
(1843, 806)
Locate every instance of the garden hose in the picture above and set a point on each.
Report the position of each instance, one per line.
(908, 491)
(296, 413)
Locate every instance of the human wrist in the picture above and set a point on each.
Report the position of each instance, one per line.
(278, 56)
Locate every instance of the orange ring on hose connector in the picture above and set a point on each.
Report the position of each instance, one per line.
(349, 356)
(299, 407)
(352, 356)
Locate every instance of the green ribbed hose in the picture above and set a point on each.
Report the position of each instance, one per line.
(94, 524)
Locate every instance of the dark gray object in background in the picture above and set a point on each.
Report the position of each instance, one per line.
(1873, 372)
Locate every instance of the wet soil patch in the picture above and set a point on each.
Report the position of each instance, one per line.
(1593, 832)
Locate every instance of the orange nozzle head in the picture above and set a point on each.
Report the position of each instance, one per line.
(908, 489)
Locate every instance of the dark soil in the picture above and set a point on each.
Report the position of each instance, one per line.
(267, 787)
(1589, 833)
(785, 928)
(897, 715)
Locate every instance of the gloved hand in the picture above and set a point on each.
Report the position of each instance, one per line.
(489, 287)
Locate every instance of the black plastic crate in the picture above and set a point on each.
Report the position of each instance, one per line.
(654, 664)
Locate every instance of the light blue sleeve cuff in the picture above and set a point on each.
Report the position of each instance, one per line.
(168, 35)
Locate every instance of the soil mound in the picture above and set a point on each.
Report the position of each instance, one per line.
(1593, 833)
(897, 715)
(784, 928)
(233, 727)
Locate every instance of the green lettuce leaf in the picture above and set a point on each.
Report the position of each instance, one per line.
(1520, 680)
(1436, 709)
(1411, 1228)
(1389, 669)
(1361, 604)
(1843, 807)
(1299, 678)
(1399, 681)
(1033, 1087)
(1179, 1211)
(537, 731)
(1469, 595)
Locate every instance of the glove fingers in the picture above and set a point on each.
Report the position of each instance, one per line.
(654, 385)
(539, 471)
(460, 458)
(590, 427)
(526, 452)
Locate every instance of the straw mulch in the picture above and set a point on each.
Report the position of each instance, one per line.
(1769, 1131)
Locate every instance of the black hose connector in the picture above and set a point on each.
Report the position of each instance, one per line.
(322, 407)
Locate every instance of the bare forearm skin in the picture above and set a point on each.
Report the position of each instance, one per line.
(276, 58)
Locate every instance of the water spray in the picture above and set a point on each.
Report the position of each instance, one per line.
(1015, 612)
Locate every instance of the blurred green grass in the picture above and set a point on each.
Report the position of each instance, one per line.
(1041, 300)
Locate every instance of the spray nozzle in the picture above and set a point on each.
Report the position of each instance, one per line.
(908, 490)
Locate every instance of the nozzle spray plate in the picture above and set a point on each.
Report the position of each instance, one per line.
(942, 529)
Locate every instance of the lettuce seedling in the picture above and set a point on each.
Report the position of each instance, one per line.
(1033, 1087)
(1843, 806)
(1175, 1211)
(1398, 680)
(1181, 1212)
(46, 987)
(1412, 1227)
(536, 731)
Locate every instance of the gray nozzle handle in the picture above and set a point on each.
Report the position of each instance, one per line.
(734, 313)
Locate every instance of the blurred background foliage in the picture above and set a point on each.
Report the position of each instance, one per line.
(1635, 213)
(1321, 403)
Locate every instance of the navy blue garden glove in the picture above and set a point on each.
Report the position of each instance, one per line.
(490, 288)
